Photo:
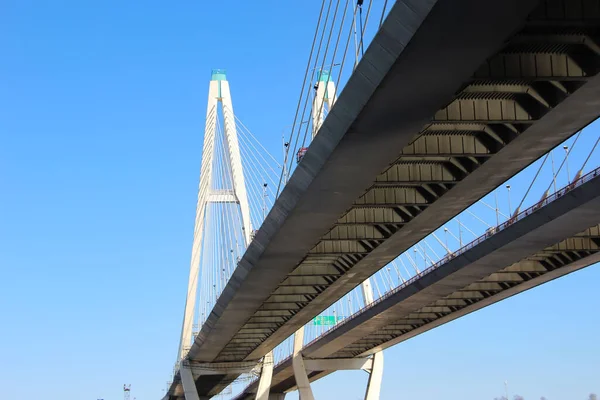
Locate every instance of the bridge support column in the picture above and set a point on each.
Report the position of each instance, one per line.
(375, 377)
(302, 381)
(189, 384)
(266, 374)
(376, 370)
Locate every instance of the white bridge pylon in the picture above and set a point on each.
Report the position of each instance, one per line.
(218, 93)
(222, 231)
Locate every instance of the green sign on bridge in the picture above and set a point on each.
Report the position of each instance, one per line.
(326, 320)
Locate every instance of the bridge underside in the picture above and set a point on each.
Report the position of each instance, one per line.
(494, 126)
(510, 262)
(428, 124)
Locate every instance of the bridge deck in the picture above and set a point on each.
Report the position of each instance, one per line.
(552, 241)
(427, 124)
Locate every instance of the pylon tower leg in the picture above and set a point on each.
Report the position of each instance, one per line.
(266, 374)
(189, 385)
(375, 377)
(300, 375)
(239, 185)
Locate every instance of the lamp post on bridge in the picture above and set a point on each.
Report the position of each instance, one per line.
(509, 206)
(446, 239)
(264, 201)
(285, 149)
(566, 148)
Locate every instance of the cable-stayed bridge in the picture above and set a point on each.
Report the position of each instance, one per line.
(426, 125)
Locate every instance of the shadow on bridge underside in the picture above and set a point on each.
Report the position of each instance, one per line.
(542, 243)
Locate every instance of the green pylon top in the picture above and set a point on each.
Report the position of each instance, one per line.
(218, 75)
(323, 75)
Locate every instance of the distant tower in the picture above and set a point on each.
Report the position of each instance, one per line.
(218, 92)
(324, 94)
(126, 391)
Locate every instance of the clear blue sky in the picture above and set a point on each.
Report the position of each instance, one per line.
(102, 109)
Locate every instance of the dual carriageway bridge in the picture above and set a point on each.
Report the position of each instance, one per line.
(451, 99)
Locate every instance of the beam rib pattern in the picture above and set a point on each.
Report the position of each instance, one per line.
(547, 242)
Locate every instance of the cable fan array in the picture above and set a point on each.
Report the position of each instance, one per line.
(224, 243)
